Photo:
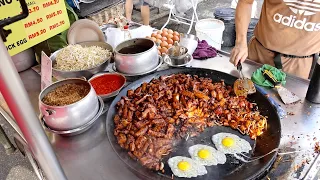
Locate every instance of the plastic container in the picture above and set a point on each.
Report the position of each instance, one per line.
(126, 33)
(210, 30)
(227, 15)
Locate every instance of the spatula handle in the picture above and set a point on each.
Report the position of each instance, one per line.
(239, 66)
(270, 77)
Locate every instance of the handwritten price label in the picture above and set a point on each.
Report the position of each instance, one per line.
(46, 19)
(46, 71)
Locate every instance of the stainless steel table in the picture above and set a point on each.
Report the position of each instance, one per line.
(90, 156)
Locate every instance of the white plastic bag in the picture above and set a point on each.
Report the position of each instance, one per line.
(115, 36)
(182, 6)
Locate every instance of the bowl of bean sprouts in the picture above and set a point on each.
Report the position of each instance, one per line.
(81, 60)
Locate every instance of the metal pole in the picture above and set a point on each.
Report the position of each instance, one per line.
(16, 97)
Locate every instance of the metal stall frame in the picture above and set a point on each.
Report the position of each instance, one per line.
(14, 93)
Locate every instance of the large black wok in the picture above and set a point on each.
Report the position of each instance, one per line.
(233, 168)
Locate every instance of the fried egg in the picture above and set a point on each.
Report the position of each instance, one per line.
(206, 155)
(230, 143)
(186, 167)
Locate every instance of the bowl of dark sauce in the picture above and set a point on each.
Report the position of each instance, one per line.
(136, 56)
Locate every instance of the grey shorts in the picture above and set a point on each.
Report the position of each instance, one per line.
(142, 3)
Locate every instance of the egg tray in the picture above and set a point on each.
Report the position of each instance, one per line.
(233, 168)
(113, 14)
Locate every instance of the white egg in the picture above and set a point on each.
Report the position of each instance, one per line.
(230, 143)
(186, 167)
(207, 155)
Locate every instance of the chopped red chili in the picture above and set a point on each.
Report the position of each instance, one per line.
(106, 84)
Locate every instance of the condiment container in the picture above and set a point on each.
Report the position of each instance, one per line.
(129, 58)
(69, 116)
(111, 77)
(313, 93)
(177, 56)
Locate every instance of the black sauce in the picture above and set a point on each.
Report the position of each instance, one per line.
(134, 49)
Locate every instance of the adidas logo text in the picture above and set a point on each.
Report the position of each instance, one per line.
(291, 21)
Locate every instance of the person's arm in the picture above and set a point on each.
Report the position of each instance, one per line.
(242, 20)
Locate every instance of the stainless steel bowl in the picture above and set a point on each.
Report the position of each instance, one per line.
(112, 94)
(178, 62)
(189, 41)
(177, 56)
(83, 73)
(136, 63)
(70, 116)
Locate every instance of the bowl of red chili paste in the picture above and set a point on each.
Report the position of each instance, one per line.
(107, 85)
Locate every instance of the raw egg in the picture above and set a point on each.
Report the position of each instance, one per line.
(158, 36)
(175, 33)
(164, 44)
(169, 36)
(170, 41)
(164, 38)
(175, 38)
(164, 34)
(163, 50)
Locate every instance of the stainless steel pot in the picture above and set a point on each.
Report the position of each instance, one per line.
(24, 60)
(70, 116)
(138, 62)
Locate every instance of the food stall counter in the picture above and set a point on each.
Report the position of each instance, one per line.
(90, 155)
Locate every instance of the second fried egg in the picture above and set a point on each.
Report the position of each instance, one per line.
(206, 155)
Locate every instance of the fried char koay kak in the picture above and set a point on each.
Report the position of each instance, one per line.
(151, 118)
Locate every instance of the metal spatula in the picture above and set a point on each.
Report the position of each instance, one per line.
(244, 158)
(286, 96)
(243, 86)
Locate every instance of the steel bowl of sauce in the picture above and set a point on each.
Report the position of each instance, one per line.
(136, 56)
(107, 85)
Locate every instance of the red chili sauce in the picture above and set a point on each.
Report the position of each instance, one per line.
(106, 84)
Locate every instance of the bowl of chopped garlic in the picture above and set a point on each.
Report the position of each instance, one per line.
(81, 60)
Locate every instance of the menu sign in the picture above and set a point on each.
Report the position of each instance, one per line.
(46, 19)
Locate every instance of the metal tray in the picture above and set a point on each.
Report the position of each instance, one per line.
(139, 74)
(232, 169)
(80, 129)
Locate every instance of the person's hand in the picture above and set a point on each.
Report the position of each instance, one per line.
(239, 53)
